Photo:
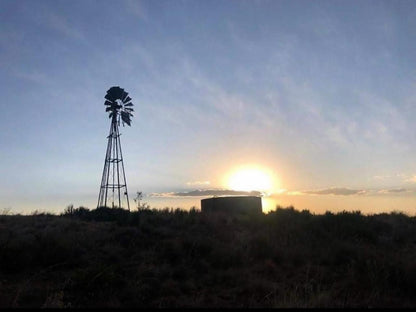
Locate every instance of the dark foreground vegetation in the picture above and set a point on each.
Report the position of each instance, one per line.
(152, 258)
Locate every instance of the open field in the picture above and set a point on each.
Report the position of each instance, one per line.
(153, 258)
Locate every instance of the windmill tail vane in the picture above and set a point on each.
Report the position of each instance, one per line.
(113, 189)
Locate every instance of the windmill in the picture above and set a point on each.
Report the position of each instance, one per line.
(113, 182)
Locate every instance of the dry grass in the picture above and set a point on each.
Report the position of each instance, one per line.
(173, 258)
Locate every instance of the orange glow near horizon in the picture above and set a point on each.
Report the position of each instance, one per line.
(251, 178)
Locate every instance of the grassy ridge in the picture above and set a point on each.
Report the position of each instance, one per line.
(153, 258)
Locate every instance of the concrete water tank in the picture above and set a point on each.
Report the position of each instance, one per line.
(232, 204)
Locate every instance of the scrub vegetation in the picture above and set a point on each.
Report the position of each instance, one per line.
(173, 258)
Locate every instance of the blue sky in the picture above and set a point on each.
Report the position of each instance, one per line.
(320, 92)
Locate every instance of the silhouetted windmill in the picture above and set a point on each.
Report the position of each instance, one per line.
(113, 182)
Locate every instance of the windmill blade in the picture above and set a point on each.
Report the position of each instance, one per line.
(125, 117)
(114, 106)
(109, 97)
(126, 120)
(129, 109)
(124, 96)
(117, 91)
(124, 114)
(114, 93)
(108, 103)
(111, 94)
(128, 104)
(126, 100)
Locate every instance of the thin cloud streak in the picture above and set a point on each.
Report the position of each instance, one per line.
(394, 191)
(195, 183)
(61, 25)
(206, 193)
(346, 192)
(137, 9)
(336, 191)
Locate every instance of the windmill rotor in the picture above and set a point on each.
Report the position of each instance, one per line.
(118, 105)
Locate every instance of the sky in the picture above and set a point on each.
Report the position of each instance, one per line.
(320, 94)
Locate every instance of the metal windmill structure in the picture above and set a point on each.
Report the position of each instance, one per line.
(113, 188)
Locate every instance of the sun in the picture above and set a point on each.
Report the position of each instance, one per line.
(250, 178)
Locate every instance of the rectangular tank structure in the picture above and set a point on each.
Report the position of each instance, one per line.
(232, 205)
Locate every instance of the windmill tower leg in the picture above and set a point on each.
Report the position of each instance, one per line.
(102, 198)
(123, 186)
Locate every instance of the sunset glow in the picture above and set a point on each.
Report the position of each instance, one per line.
(250, 179)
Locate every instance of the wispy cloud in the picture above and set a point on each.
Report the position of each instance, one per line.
(336, 191)
(198, 183)
(394, 191)
(411, 179)
(382, 177)
(396, 178)
(137, 8)
(206, 193)
(60, 24)
(33, 76)
(346, 192)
